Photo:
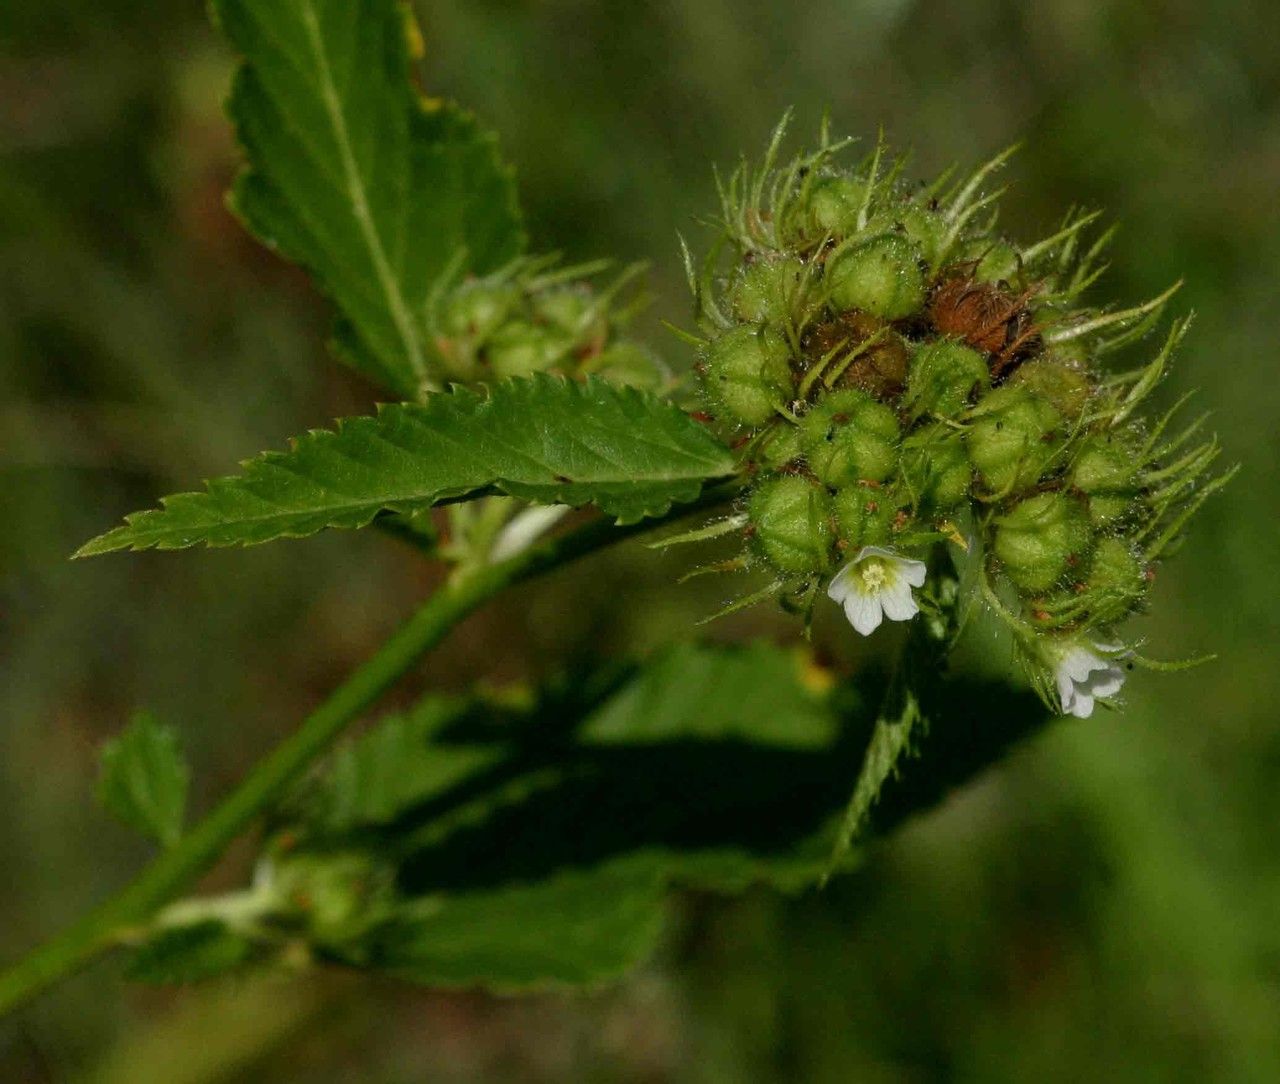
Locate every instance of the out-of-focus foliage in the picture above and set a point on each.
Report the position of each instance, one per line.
(144, 779)
(1103, 906)
(528, 839)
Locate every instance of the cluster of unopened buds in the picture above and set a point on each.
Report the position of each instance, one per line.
(899, 377)
(534, 316)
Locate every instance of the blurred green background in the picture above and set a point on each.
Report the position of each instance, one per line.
(1105, 905)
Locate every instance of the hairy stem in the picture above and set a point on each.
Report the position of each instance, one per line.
(173, 871)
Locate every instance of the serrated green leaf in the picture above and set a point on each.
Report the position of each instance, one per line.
(144, 779)
(190, 953)
(544, 439)
(538, 846)
(356, 177)
(572, 928)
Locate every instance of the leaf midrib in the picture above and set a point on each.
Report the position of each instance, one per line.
(389, 501)
(359, 199)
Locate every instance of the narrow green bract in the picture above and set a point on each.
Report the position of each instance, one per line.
(544, 439)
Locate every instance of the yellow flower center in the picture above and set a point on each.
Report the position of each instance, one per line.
(874, 576)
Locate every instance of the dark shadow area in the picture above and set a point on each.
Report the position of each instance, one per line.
(556, 802)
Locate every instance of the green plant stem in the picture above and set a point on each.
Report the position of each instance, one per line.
(100, 929)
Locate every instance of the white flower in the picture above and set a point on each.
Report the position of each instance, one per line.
(877, 584)
(1085, 674)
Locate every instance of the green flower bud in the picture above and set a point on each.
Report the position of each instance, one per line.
(1117, 581)
(630, 363)
(942, 377)
(1106, 470)
(927, 229)
(881, 276)
(573, 310)
(1058, 379)
(1040, 538)
(791, 520)
(937, 469)
(476, 309)
(834, 203)
(781, 446)
(748, 374)
(335, 896)
(518, 349)
(865, 516)
(764, 290)
(1013, 437)
(849, 437)
(466, 319)
(997, 261)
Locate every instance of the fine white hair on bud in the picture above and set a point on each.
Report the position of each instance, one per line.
(877, 584)
(1085, 673)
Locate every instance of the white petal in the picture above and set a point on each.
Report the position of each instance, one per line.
(875, 551)
(1081, 706)
(863, 612)
(1106, 682)
(898, 603)
(1079, 663)
(1066, 690)
(913, 572)
(841, 584)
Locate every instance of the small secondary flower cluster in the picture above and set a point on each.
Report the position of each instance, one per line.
(896, 374)
(532, 316)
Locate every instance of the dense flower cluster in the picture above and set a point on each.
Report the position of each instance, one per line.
(898, 375)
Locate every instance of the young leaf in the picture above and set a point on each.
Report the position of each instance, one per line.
(355, 176)
(544, 439)
(144, 779)
(190, 953)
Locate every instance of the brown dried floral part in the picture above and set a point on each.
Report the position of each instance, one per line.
(880, 367)
(987, 317)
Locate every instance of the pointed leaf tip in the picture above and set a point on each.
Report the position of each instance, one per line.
(544, 439)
